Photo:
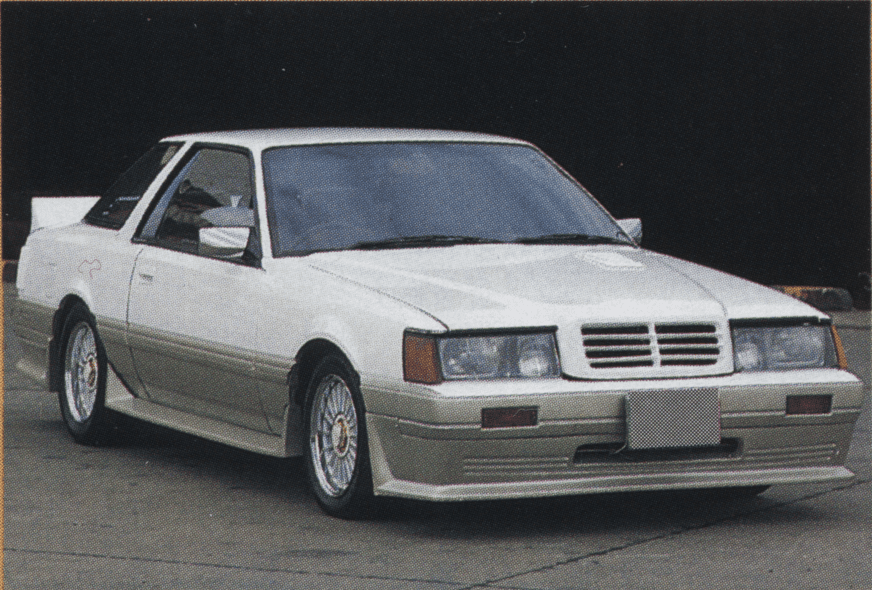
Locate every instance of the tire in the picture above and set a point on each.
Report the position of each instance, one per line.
(337, 453)
(82, 378)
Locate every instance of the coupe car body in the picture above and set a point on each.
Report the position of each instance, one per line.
(423, 314)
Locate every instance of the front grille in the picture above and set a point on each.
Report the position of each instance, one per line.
(687, 344)
(645, 345)
(618, 346)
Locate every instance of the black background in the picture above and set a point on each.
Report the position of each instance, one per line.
(738, 132)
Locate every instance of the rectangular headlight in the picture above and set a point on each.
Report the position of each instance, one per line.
(531, 355)
(784, 347)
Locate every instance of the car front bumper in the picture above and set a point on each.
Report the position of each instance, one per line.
(428, 443)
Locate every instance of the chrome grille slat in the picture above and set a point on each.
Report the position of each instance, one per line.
(613, 352)
(618, 348)
(606, 339)
(688, 341)
(621, 364)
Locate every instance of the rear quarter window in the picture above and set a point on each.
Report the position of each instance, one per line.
(116, 204)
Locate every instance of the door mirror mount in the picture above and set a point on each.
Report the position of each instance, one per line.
(632, 227)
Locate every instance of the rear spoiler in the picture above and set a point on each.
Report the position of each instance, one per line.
(58, 211)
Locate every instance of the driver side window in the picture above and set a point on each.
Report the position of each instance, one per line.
(212, 179)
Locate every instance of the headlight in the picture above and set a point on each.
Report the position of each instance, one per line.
(430, 358)
(779, 348)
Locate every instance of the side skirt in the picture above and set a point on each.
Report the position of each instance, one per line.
(119, 399)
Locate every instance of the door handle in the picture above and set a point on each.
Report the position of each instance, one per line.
(146, 273)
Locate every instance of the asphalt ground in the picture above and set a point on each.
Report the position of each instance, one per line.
(158, 509)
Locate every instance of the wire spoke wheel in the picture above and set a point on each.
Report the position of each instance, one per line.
(81, 372)
(333, 437)
(80, 376)
(337, 457)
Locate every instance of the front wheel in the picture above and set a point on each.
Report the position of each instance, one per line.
(83, 378)
(337, 457)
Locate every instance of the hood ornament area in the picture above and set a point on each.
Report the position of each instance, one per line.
(611, 261)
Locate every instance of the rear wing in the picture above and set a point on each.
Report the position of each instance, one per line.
(58, 211)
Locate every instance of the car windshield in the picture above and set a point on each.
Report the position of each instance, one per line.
(390, 195)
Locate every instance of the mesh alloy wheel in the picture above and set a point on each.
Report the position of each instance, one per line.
(333, 435)
(337, 457)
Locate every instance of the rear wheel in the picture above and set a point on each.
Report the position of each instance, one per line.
(83, 378)
(337, 457)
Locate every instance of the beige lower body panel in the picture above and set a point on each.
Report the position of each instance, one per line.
(33, 326)
(604, 484)
(119, 399)
(212, 379)
(461, 461)
(113, 333)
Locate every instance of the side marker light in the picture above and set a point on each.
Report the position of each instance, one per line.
(508, 417)
(809, 404)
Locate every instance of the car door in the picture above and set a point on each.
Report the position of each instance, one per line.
(104, 266)
(191, 321)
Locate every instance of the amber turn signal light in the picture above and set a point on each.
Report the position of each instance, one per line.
(508, 417)
(840, 350)
(420, 359)
(809, 404)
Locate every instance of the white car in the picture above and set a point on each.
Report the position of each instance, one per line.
(423, 314)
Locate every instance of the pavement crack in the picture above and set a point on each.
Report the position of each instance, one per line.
(497, 582)
(229, 566)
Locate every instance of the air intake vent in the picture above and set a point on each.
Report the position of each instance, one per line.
(618, 346)
(642, 345)
(687, 344)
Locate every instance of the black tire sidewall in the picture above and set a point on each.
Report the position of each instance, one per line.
(356, 500)
(92, 430)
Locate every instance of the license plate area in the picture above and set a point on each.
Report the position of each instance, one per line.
(673, 418)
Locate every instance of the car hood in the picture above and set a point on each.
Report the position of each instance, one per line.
(508, 285)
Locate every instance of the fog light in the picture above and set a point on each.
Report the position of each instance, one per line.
(508, 417)
(809, 404)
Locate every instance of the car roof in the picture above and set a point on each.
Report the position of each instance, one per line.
(260, 139)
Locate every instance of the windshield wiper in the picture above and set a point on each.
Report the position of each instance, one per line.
(571, 239)
(420, 242)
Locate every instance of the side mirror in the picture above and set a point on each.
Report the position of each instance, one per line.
(632, 227)
(224, 241)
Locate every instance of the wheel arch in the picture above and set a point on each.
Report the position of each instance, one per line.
(58, 320)
(307, 358)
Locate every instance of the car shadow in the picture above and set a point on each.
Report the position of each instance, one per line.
(586, 514)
